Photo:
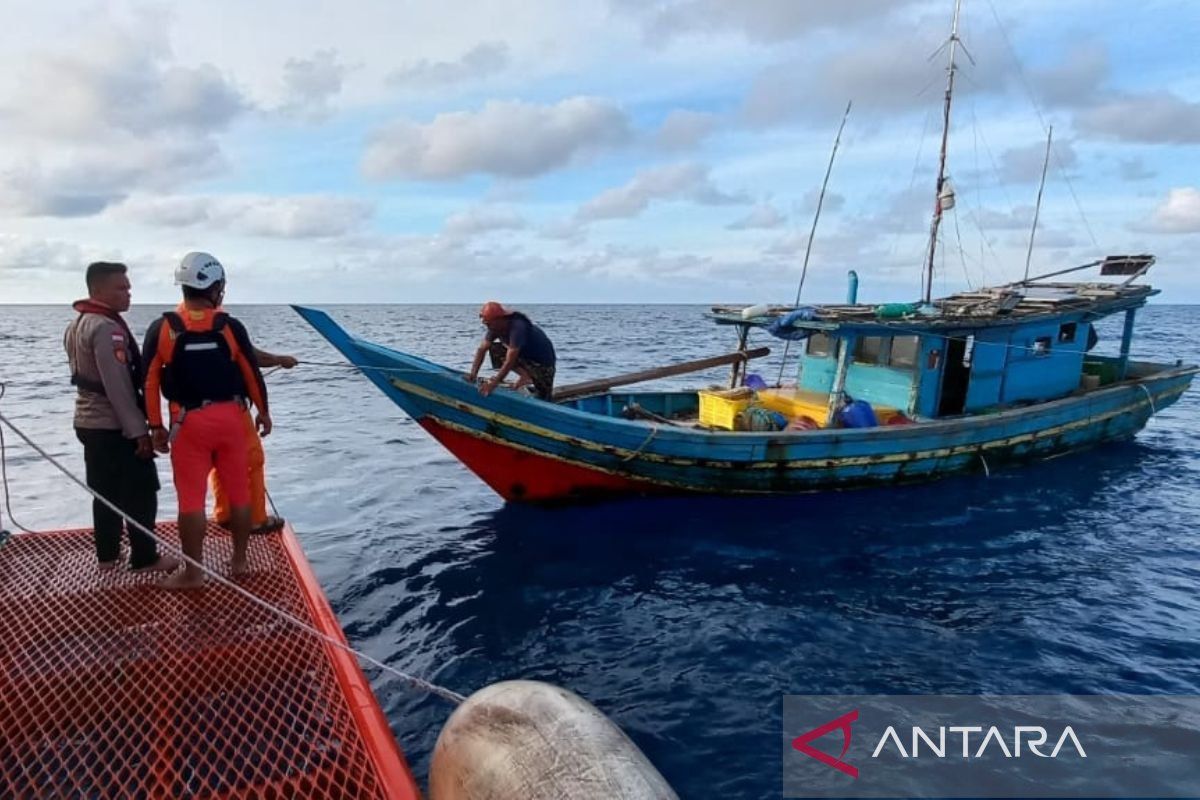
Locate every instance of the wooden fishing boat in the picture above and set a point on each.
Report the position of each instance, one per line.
(987, 379)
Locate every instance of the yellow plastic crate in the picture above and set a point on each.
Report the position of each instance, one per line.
(720, 409)
(815, 405)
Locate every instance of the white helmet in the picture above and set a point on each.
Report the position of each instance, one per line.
(199, 271)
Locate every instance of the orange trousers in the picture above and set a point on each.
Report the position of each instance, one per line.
(257, 461)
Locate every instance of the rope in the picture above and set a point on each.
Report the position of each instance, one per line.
(4, 475)
(638, 452)
(1149, 397)
(412, 680)
(986, 471)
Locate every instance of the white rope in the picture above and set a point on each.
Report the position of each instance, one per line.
(412, 680)
(1149, 397)
(638, 452)
(986, 471)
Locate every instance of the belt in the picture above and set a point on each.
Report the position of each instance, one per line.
(237, 398)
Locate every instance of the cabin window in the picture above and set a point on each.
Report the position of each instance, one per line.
(1066, 333)
(1041, 346)
(904, 351)
(820, 344)
(871, 350)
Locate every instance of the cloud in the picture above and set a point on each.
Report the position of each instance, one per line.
(24, 254)
(758, 20)
(762, 216)
(883, 75)
(683, 130)
(87, 179)
(1134, 169)
(107, 114)
(1019, 218)
(1158, 117)
(833, 201)
(674, 182)
(1024, 164)
(481, 61)
(290, 217)
(1077, 80)
(509, 138)
(483, 219)
(310, 84)
(117, 82)
(1178, 213)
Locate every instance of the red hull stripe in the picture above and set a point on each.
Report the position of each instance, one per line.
(520, 475)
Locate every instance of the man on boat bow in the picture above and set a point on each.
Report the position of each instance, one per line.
(515, 345)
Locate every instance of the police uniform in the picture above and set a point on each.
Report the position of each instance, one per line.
(109, 419)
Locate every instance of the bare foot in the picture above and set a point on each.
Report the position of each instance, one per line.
(182, 580)
(108, 566)
(238, 567)
(163, 564)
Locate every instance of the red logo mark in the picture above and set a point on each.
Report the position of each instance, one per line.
(842, 723)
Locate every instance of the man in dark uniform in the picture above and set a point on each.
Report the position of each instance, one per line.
(515, 345)
(110, 421)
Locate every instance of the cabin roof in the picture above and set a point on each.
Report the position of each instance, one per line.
(987, 307)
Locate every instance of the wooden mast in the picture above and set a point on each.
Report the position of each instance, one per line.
(941, 181)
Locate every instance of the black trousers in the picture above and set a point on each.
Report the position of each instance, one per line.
(114, 471)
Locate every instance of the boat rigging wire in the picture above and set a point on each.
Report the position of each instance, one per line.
(411, 680)
(1042, 119)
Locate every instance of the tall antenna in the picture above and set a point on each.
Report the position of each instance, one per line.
(1037, 209)
(945, 194)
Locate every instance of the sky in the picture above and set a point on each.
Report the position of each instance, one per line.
(589, 152)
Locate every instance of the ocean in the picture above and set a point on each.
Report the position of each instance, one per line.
(687, 620)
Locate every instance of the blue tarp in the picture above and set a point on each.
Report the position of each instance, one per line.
(782, 327)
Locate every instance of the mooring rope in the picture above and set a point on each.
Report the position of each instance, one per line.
(411, 680)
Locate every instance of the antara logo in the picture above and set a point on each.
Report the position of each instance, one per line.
(843, 724)
(1030, 737)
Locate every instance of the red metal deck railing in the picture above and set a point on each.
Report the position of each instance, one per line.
(112, 688)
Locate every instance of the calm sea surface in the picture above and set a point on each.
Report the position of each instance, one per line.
(686, 620)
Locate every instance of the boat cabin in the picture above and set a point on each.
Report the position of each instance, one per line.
(968, 353)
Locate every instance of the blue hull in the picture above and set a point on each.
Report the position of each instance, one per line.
(531, 450)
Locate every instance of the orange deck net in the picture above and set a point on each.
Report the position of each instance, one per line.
(112, 688)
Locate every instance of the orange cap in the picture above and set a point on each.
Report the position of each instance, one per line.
(492, 311)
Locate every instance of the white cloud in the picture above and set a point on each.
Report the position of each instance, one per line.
(1024, 164)
(286, 217)
(1077, 80)
(483, 219)
(673, 182)
(482, 61)
(26, 254)
(759, 20)
(883, 75)
(683, 129)
(762, 216)
(1158, 117)
(1178, 213)
(506, 137)
(1134, 169)
(107, 113)
(310, 84)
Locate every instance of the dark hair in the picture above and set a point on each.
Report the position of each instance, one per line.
(210, 294)
(99, 271)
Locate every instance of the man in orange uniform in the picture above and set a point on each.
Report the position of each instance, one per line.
(260, 520)
(202, 361)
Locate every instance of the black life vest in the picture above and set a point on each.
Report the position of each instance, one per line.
(133, 357)
(201, 366)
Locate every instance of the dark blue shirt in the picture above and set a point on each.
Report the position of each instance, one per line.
(533, 343)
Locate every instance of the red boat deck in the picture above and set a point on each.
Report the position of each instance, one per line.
(110, 687)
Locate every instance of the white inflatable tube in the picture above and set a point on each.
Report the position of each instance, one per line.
(524, 740)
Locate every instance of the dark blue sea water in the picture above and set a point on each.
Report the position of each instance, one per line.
(686, 620)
